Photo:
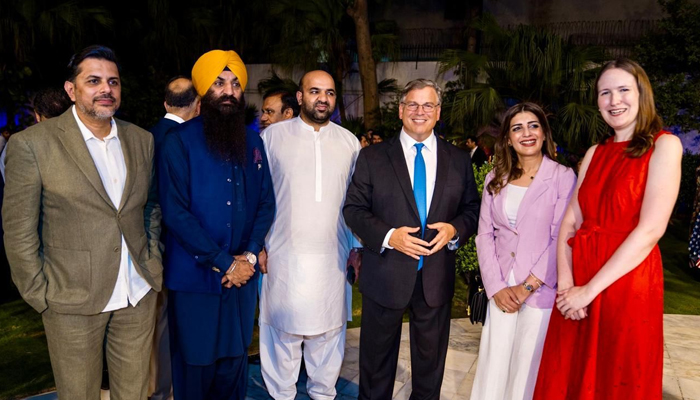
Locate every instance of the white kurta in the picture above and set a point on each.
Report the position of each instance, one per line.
(304, 292)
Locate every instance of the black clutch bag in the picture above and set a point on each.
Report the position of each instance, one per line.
(479, 301)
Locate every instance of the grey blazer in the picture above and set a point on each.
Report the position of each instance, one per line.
(62, 232)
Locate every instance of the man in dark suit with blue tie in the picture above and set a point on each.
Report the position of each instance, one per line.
(412, 201)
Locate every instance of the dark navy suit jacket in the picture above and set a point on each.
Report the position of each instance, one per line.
(160, 129)
(213, 210)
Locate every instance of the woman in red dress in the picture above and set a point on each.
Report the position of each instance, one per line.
(606, 341)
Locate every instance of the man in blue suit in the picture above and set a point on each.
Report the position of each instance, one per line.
(181, 104)
(218, 204)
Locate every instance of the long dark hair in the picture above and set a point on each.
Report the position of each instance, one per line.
(648, 121)
(505, 158)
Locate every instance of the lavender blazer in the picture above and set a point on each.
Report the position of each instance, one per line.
(530, 246)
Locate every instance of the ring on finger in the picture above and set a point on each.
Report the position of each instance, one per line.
(503, 309)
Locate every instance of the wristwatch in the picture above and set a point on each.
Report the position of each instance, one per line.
(528, 287)
(252, 258)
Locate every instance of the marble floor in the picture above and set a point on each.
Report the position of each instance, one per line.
(681, 364)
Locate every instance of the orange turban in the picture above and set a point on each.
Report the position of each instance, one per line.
(209, 66)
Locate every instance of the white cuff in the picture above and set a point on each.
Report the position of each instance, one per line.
(452, 245)
(385, 244)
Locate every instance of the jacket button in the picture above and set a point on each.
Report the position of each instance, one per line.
(512, 254)
(116, 249)
(228, 203)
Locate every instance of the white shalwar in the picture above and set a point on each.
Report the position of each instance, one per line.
(304, 293)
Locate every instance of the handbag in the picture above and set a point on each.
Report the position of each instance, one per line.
(478, 304)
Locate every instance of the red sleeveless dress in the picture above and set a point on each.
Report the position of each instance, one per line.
(616, 352)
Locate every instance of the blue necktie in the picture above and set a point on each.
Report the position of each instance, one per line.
(419, 192)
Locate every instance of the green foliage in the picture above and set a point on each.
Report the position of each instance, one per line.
(275, 83)
(467, 259)
(524, 64)
(354, 125)
(671, 57)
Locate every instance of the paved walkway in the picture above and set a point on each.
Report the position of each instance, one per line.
(681, 364)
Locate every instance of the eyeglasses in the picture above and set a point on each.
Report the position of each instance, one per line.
(427, 107)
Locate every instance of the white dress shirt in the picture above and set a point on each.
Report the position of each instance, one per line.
(304, 291)
(174, 117)
(109, 160)
(429, 153)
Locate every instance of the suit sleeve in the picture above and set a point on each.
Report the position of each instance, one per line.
(358, 207)
(266, 210)
(486, 245)
(173, 187)
(468, 212)
(21, 210)
(545, 268)
(152, 214)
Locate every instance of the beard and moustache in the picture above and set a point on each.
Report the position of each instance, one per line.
(320, 117)
(224, 126)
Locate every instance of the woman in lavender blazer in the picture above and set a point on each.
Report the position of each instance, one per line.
(522, 206)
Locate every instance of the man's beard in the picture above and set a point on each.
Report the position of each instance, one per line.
(94, 113)
(224, 126)
(319, 117)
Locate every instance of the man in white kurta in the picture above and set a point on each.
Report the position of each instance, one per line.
(303, 296)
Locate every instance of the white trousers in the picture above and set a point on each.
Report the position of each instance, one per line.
(510, 352)
(280, 362)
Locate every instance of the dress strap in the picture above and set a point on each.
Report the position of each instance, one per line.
(658, 135)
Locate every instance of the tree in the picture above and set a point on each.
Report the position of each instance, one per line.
(313, 33)
(525, 64)
(671, 57)
(368, 68)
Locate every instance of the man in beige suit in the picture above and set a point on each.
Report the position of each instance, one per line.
(81, 228)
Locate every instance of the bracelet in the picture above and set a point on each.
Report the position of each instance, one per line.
(233, 267)
(539, 282)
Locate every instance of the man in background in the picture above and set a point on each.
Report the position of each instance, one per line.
(477, 153)
(181, 105)
(278, 105)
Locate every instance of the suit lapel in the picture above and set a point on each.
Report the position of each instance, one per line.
(538, 186)
(441, 178)
(398, 162)
(75, 146)
(129, 150)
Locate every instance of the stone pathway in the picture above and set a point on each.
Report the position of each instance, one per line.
(681, 364)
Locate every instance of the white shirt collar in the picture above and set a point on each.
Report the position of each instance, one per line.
(174, 117)
(87, 133)
(308, 127)
(408, 142)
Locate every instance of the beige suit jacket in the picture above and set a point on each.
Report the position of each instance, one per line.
(62, 232)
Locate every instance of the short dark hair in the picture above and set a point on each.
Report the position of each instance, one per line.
(378, 133)
(51, 102)
(289, 100)
(95, 51)
(471, 137)
(180, 99)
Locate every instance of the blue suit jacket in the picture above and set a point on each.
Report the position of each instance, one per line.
(160, 129)
(212, 209)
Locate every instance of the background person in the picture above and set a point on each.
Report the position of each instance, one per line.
(606, 341)
(278, 105)
(521, 208)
